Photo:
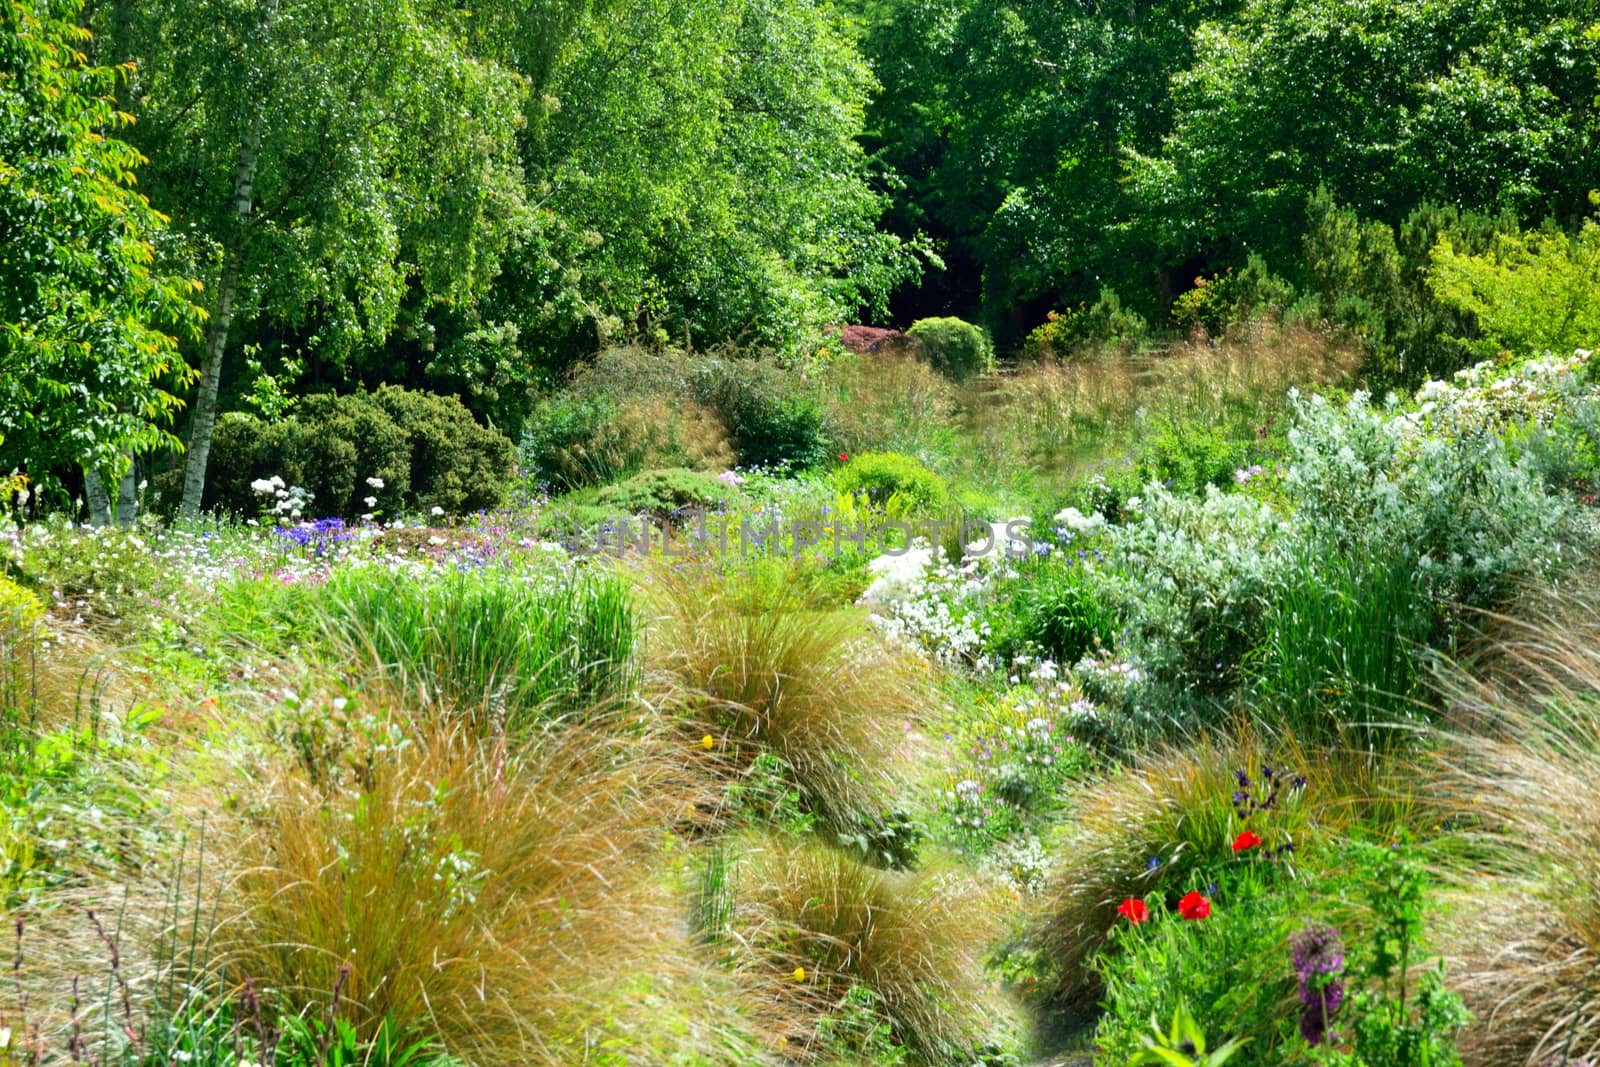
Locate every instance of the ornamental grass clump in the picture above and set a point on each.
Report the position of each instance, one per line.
(494, 646)
(501, 894)
(1522, 933)
(1178, 817)
(761, 670)
(808, 923)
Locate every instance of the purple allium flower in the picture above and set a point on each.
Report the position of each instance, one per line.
(1318, 956)
(1317, 949)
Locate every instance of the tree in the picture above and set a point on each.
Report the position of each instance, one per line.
(697, 176)
(87, 368)
(323, 161)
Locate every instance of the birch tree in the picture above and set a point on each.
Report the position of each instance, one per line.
(323, 160)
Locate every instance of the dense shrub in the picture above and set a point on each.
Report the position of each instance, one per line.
(957, 349)
(559, 440)
(1231, 298)
(663, 493)
(880, 475)
(426, 451)
(1102, 327)
(772, 417)
(1189, 454)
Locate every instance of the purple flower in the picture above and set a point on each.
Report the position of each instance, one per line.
(1318, 955)
(1317, 950)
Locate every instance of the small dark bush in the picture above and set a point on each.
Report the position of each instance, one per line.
(560, 435)
(456, 464)
(955, 348)
(880, 475)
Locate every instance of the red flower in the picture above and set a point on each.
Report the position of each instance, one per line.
(1134, 909)
(1194, 905)
(1248, 839)
(844, 457)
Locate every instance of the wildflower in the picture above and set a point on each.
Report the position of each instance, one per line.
(376, 483)
(1248, 839)
(708, 742)
(799, 974)
(437, 511)
(1134, 910)
(1194, 905)
(1152, 863)
(370, 501)
(1318, 955)
(730, 478)
(844, 457)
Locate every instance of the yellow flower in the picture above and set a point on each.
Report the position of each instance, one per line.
(708, 742)
(799, 974)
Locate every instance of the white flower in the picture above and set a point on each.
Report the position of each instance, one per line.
(370, 501)
(262, 486)
(436, 511)
(376, 483)
(1078, 521)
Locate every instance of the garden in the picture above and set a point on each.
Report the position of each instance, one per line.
(482, 583)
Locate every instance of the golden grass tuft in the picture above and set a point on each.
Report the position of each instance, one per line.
(1522, 931)
(505, 896)
(808, 922)
(759, 669)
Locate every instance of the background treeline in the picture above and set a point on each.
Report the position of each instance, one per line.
(253, 201)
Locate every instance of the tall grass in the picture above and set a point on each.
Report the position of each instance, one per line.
(1058, 420)
(809, 922)
(503, 896)
(762, 670)
(1345, 645)
(498, 647)
(1523, 928)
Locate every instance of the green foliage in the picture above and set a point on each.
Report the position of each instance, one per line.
(426, 450)
(1182, 1044)
(1088, 328)
(1400, 1011)
(493, 648)
(664, 493)
(1345, 642)
(1189, 454)
(1529, 293)
(699, 185)
(956, 349)
(89, 369)
(1373, 280)
(1229, 299)
(107, 574)
(1228, 969)
(877, 476)
(558, 439)
(772, 417)
(1053, 609)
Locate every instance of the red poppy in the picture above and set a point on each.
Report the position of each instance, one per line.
(1134, 909)
(1194, 905)
(844, 457)
(1248, 839)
